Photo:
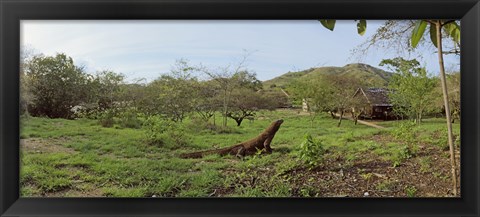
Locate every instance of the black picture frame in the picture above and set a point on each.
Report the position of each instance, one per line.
(12, 11)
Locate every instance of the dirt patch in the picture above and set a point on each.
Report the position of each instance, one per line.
(39, 145)
(370, 177)
(75, 193)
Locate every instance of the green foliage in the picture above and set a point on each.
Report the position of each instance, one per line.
(433, 35)
(361, 27)
(128, 118)
(405, 131)
(418, 31)
(106, 118)
(165, 132)
(425, 164)
(107, 89)
(329, 24)
(55, 85)
(411, 191)
(328, 93)
(451, 28)
(170, 97)
(441, 139)
(400, 155)
(311, 151)
(413, 91)
(245, 103)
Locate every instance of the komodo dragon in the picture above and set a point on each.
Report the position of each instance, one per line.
(249, 147)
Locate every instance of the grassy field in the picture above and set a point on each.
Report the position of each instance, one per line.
(80, 158)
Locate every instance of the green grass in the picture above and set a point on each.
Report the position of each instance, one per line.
(88, 159)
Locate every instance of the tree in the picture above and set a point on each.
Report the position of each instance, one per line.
(342, 91)
(316, 93)
(412, 90)
(172, 97)
(453, 82)
(246, 102)
(107, 86)
(206, 102)
(451, 30)
(56, 84)
(328, 93)
(227, 82)
(396, 35)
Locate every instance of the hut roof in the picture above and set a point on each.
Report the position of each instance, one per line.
(375, 96)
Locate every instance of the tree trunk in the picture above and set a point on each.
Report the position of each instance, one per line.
(239, 121)
(438, 25)
(214, 120)
(225, 109)
(340, 119)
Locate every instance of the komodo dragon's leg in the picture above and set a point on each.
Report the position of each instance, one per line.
(266, 144)
(239, 152)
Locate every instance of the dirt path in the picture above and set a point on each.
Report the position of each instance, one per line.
(363, 122)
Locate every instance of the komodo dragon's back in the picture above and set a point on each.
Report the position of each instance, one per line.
(261, 142)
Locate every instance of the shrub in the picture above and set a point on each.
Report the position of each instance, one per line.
(401, 155)
(311, 151)
(165, 132)
(106, 118)
(407, 133)
(129, 119)
(410, 191)
(199, 124)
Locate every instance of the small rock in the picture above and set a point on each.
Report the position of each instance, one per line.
(154, 195)
(366, 194)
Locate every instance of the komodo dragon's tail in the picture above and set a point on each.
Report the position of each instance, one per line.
(200, 154)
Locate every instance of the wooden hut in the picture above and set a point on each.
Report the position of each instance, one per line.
(373, 103)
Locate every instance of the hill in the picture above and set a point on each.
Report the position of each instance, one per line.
(374, 76)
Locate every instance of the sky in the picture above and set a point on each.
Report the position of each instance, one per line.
(148, 49)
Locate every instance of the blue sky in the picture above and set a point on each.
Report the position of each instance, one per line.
(147, 49)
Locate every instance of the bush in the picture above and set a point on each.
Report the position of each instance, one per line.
(401, 155)
(89, 111)
(129, 119)
(311, 151)
(407, 133)
(441, 139)
(164, 132)
(199, 124)
(106, 118)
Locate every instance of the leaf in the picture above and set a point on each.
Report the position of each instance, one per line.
(361, 27)
(418, 31)
(329, 24)
(453, 30)
(433, 34)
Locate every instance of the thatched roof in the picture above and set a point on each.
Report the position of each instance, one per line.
(375, 96)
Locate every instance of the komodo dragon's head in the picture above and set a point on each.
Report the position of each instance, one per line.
(275, 125)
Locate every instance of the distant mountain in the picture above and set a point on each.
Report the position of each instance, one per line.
(375, 77)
